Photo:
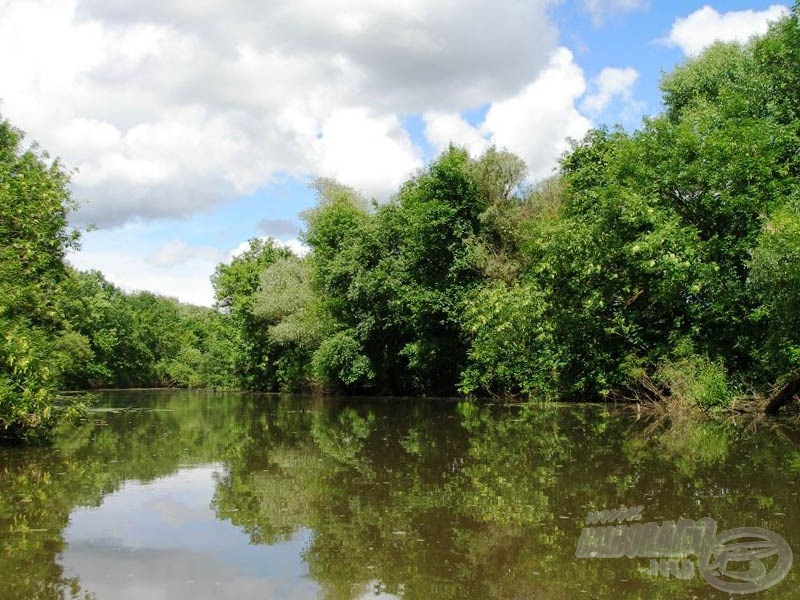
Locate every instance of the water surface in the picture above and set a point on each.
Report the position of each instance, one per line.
(198, 495)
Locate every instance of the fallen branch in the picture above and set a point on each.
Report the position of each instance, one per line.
(783, 396)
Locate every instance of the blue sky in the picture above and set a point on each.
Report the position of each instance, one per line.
(194, 128)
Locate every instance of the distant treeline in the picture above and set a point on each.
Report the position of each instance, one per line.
(663, 262)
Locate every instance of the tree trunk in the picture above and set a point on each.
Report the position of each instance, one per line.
(783, 396)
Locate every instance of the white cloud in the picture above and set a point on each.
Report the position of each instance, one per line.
(613, 84)
(372, 154)
(170, 107)
(293, 244)
(535, 124)
(705, 26)
(603, 9)
(240, 249)
(177, 252)
(296, 246)
(442, 129)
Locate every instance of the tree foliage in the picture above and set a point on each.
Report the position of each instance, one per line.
(34, 203)
(235, 287)
(673, 245)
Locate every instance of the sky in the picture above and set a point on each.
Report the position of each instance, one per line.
(191, 126)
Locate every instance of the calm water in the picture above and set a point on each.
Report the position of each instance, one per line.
(195, 495)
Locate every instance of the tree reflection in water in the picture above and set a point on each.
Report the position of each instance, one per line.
(412, 498)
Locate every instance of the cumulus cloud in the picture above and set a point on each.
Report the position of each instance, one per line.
(372, 154)
(403, 53)
(170, 107)
(601, 10)
(611, 82)
(705, 26)
(611, 94)
(296, 246)
(443, 129)
(535, 123)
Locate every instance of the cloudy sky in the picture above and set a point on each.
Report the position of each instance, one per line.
(194, 125)
(177, 548)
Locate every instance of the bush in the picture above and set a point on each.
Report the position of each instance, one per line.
(696, 380)
(340, 362)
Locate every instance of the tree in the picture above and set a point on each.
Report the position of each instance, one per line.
(393, 280)
(235, 287)
(293, 316)
(34, 204)
(673, 244)
(774, 280)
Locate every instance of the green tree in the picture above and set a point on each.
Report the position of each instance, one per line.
(235, 286)
(294, 318)
(338, 232)
(206, 357)
(672, 246)
(394, 279)
(775, 283)
(34, 204)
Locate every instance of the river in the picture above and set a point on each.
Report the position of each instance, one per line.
(182, 494)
